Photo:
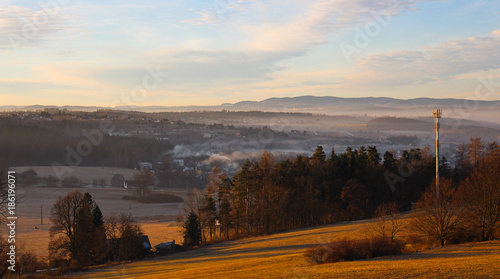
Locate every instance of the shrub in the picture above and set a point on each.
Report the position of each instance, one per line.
(31, 262)
(463, 235)
(156, 198)
(117, 180)
(416, 242)
(128, 197)
(52, 181)
(351, 250)
(71, 181)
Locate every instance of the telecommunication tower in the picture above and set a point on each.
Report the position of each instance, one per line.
(437, 114)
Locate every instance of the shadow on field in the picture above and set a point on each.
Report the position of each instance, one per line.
(459, 251)
(317, 237)
(220, 255)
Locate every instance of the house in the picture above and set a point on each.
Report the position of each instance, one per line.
(146, 165)
(165, 247)
(29, 176)
(146, 245)
(179, 162)
(221, 135)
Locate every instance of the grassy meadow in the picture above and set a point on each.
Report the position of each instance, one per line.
(273, 256)
(281, 256)
(157, 220)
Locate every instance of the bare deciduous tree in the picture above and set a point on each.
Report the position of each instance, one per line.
(388, 223)
(142, 181)
(476, 151)
(439, 219)
(64, 217)
(481, 192)
(124, 237)
(77, 230)
(117, 180)
(3, 190)
(4, 246)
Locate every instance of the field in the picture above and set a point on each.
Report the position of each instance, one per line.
(281, 256)
(273, 256)
(85, 174)
(33, 237)
(157, 220)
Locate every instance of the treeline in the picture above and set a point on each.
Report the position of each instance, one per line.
(266, 196)
(28, 143)
(452, 213)
(80, 236)
(467, 210)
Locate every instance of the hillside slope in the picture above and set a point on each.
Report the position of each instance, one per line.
(281, 256)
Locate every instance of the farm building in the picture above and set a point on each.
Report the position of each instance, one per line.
(165, 247)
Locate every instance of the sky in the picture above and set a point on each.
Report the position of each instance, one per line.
(193, 52)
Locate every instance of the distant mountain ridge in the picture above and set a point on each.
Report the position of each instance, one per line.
(376, 106)
(328, 100)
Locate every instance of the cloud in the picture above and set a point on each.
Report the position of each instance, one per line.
(12, 85)
(218, 66)
(246, 54)
(293, 31)
(21, 26)
(264, 33)
(218, 11)
(205, 17)
(70, 76)
(429, 64)
(188, 70)
(296, 25)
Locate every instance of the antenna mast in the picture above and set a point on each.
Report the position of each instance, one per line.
(437, 114)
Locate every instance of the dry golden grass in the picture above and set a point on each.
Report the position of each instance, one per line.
(36, 240)
(32, 240)
(281, 256)
(159, 232)
(33, 237)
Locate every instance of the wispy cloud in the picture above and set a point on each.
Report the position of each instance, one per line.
(271, 32)
(204, 17)
(22, 26)
(293, 25)
(429, 64)
(212, 67)
(257, 49)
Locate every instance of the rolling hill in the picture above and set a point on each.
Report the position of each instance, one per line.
(281, 256)
(373, 106)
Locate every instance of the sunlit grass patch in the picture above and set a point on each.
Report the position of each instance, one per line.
(281, 256)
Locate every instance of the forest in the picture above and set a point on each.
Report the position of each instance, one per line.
(40, 144)
(266, 196)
